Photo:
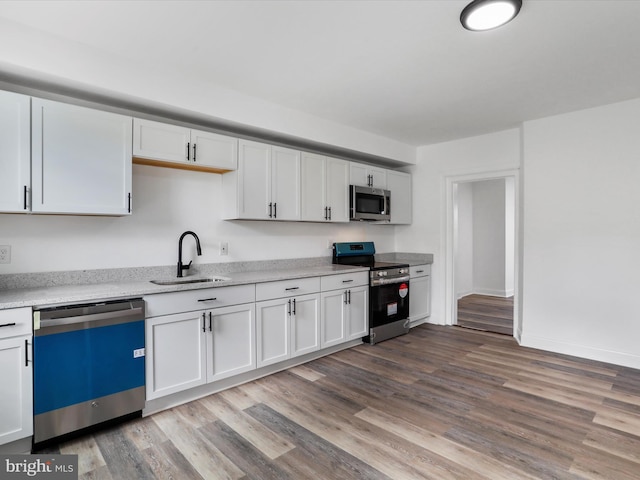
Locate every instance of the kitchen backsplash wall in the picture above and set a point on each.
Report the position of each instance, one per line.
(167, 202)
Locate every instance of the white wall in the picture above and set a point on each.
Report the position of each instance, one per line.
(582, 233)
(509, 236)
(484, 258)
(168, 202)
(489, 237)
(497, 151)
(464, 240)
(27, 52)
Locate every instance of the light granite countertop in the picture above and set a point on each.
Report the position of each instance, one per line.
(56, 288)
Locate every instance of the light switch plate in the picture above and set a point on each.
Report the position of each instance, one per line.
(5, 253)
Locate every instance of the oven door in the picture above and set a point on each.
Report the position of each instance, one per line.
(388, 303)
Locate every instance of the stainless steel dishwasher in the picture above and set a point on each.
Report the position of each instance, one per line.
(88, 365)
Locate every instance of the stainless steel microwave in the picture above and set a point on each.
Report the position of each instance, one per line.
(369, 204)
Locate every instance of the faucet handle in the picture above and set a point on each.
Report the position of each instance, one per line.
(187, 266)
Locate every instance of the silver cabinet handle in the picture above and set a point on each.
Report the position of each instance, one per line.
(419, 271)
(347, 281)
(291, 288)
(204, 318)
(207, 299)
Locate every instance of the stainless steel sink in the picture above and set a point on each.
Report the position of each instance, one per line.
(181, 281)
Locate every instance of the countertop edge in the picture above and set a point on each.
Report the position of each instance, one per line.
(66, 294)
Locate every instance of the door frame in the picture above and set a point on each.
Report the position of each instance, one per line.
(450, 241)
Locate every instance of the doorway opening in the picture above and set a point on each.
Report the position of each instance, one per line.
(482, 218)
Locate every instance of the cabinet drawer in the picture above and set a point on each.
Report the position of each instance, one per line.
(287, 288)
(15, 321)
(420, 271)
(344, 280)
(204, 299)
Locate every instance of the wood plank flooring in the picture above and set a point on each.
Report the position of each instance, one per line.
(438, 403)
(483, 312)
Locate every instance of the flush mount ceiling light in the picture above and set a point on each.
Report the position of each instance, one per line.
(488, 14)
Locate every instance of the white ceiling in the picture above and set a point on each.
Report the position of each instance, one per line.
(404, 70)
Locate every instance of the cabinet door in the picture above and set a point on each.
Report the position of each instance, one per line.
(231, 334)
(213, 150)
(420, 303)
(333, 325)
(285, 183)
(367, 176)
(358, 318)
(16, 397)
(313, 185)
(175, 353)
(254, 180)
(359, 174)
(399, 184)
(160, 141)
(81, 160)
(378, 177)
(272, 322)
(305, 325)
(15, 152)
(337, 173)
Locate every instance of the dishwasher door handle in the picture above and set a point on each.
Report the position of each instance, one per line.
(63, 324)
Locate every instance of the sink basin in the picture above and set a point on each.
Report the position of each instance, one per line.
(182, 281)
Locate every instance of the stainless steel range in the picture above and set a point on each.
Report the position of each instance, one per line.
(388, 290)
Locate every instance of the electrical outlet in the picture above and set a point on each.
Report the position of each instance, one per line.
(138, 352)
(5, 253)
(224, 248)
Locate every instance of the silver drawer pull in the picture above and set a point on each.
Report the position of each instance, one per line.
(419, 271)
(347, 281)
(8, 325)
(292, 288)
(207, 299)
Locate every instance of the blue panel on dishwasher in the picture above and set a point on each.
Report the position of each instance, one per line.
(77, 366)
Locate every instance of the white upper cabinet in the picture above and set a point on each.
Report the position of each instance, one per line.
(285, 183)
(368, 176)
(81, 160)
(15, 152)
(399, 184)
(325, 187)
(266, 185)
(183, 147)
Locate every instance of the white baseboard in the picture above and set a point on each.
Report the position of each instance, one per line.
(487, 292)
(491, 293)
(582, 351)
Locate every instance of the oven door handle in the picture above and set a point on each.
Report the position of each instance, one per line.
(389, 281)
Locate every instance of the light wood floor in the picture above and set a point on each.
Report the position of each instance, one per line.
(482, 312)
(438, 403)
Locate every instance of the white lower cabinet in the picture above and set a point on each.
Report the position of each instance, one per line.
(420, 301)
(230, 337)
(287, 318)
(175, 353)
(287, 327)
(16, 375)
(345, 308)
(185, 350)
(344, 315)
